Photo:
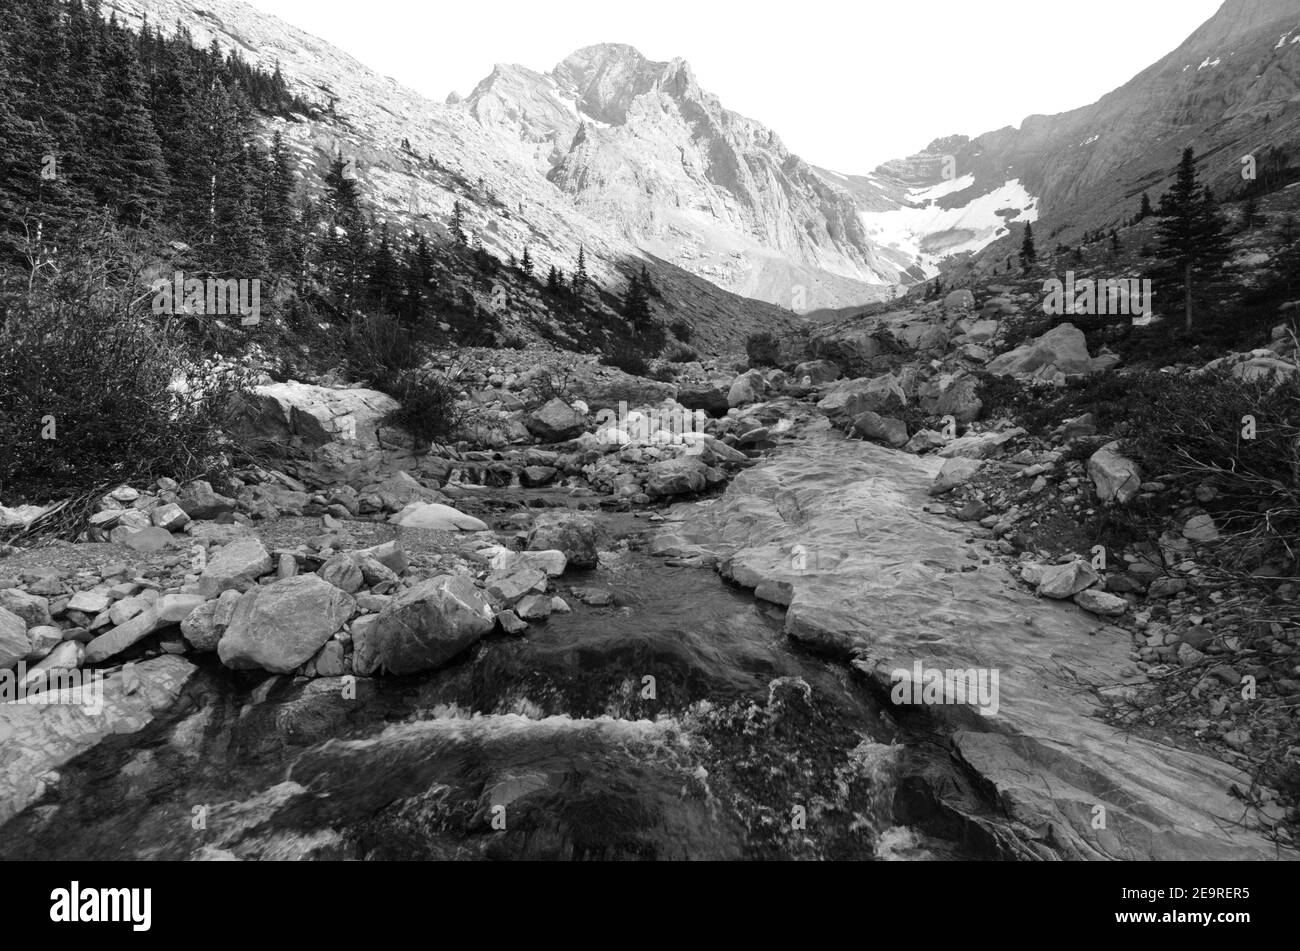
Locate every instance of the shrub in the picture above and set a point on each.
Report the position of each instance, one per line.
(381, 350)
(428, 411)
(763, 350)
(682, 330)
(126, 394)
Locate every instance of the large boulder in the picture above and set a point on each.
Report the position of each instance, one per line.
(673, 477)
(961, 301)
(879, 428)
(568, 532)
(427, 626)
(747, 388)
(1062, 350)
(852, 398)
(817, 372)
(1117, 478)
(308, 417)
(1062, 582)
(32, 608)
(959, 398)
(279, 627)
(557, 421)
(711, 396)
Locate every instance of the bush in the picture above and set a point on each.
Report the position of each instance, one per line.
(682, 330)
(763, 350)
(125, 394)
(381, 351)
(428, 412)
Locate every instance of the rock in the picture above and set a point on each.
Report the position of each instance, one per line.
(708, 396)
(32, 608)
(428, 625)
(961, 301)
(170, 517)
(1063, 349)
(235, 565)
(198, 500)
(344, 573)
(113, 642)
(389, 554)
(1099, 602)
(278, 627)
(437, 518)
(145, 540)
(90, 602)
(873, 426)
(534, 607)
(511, 623)
(747, 388)
(593, 597)
(567, 532)
(1116, 477)
(200, 630)
(14, 643)
(302, 416)
(674, 477)
(400, 490)
(960, 400)
(175, 608)
(1062, 582)
(1201, 528)
(955, 472)
(557, 421)
(552, 563)
(508, 587)
(1166, 587)
(817, 372)
(979, 446)
(534, 477)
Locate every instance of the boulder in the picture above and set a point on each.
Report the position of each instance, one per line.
(436, 518)
(873, 426)
(279, 627)
(427, 626)
(747, 388)
(199, 500)
(236, 565)
(1063, 349)
(1101, 603)
(567, 532)
(711, 396)
(1116, 477)
(308, 417)
(14, 643)
(32, 608)
(817, 372)
(1061, 582)
(960, 400)
(962, 301)
(557, 421)
(674, 477)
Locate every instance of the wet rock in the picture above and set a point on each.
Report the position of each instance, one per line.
(427, 626)
(236, 565)
(534, 607)
(511, 623)
(592, 597)
(567, 532)
(278, 627)
(1116, 477)
(438, 518)
(1062, 582)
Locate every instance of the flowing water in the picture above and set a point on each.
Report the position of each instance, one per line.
(678, 722)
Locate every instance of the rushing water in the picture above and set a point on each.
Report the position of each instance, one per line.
(676, 723)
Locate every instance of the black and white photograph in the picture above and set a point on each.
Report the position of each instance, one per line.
(705, 432)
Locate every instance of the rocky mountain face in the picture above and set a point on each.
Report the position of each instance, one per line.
(416, 158)
(641, 147)
(1230, 90)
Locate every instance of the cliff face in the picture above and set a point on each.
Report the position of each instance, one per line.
(641, 147)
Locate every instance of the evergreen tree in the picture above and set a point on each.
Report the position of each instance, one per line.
(1145, 211)
(636, 303)
(458, 224)
(580, 274)
(526, 263)
(1193, 247)
(553, 280)
(1028, 254)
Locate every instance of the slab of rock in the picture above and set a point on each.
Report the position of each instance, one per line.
(1063, 349)
(279, 627)
(236, 565)
(118, 639)
(674, 477)
(14, 643)
(433, 517)
(955, 472)
(509, 586)
(199, 500)
(309, 417)
(428, 625)
(38, 740)
(892, 432)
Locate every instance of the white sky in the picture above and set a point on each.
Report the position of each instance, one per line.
(847, 84)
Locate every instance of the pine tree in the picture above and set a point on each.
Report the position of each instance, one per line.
(458, 224)
(1028, 254)
(553, 280)
(580, 274)
(1193, 247)
(1145, 211)
(636, 303)
(341, 191)
(526, 263)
